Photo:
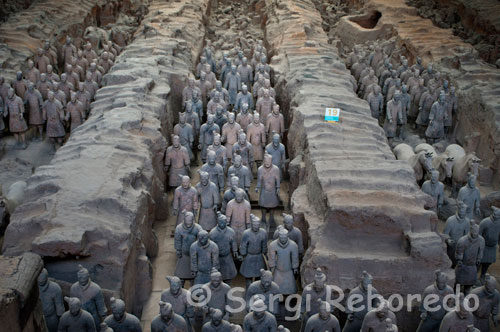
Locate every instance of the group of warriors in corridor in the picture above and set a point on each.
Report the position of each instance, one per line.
(236, 132)
(55, 91)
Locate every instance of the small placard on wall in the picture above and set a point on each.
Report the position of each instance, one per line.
(332, 114)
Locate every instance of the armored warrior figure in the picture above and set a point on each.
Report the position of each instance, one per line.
(207, 131)
(178, 298)
(244, 149)
(259, 319)
(230, 134)
(238, 214)
(264, 106)
(374, 320)
(455, 227)
(76, 319)
(219, 294)
(268, 183)
(49, 52)
(187, 92)
(204, 256)
(68, 51)
(32, 74)
(14, 108)
(244, 117)
(193, 119)
(215, 103)
(435, 189)
(205, 87)
(267, 86)
(313, 295)
(68, 87)
(177, 163)
(83, 97)
(256, 133)
(200, 67)
(53, 114)
(105, 61)
(376, 101)
(224, 95)
(471, 196)
(220, 152)
(215, 171)
(90, 295)
(253, 247)
(232, 84)
(120, 320)
(277, 151)
(284, 262)
(210, 76)
(275, 124)
(323, 321)
(217, 322)
(294, 233)
(75, 112)
(258, 86)
(230, 194)
(265, 289)
(197, 105)
(451, 110)
(186, 134)
(168, 320)
(457, 320)
(90, 85)
(41, 61)
(246, 72)
(243, 97)
(185, 199)
(220, 117)
(20, 85)
(489, 300)
(44, 86)
(242, 172)
(52, 300)
(489, 229)
(391, 122)
(185, 235)
(468, 254)
(34, 102)
(430, 320)
(225, 239)
(95, 74)
(208, 195)
(405, 108)
(437, 117)
(357, 310)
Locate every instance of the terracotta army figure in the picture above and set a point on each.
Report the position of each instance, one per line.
(219, 150)
(245, 150)
(177, 162)
(357, 310)
(105, 327)
(244, 117)
(259, 319)
(215, 103)
(294, 233)
(197, 104)
(14, 108)
(226, 69)
(268, 183)
(53, 114)
(44, 86)
(451, 110)
(186, 134)
(366, 81)
(230, 134)
(204, 256)
(435, 189)
(323, 321)
(41, 61)
(208, 195)
(393, 89)
(489, 301)
(76, 319)
(207, 131)
(232, 84)
(90, 85)
(424, 108)
(83, 97)
(457, 320)
(405, 108)
(313, 295)
(200, 67)
(284, 262)
(120, 320)
(20, 85)
(105, 61)
(256, 133)
(437, 117)
(239, 58)
(217, 322)
(194, 120)
(258, 86)
(376, 101)
(225, 239)
(82, 62)
(220, 117)
(243, 97)
(374, 320)
(468, 254)
(230, 194)
(2, 124)
(4, 88)
(275, 124)
(260, 70)
(34, 102)
(95, 74)
(224, 95)
(253, 247)
(391, 122)
(389, 82)
(75, 112)
(430, 320)
(68, 51)
(187, 92)
(72, 78)
(210, 76)
(49, 52)
(470, 195)
(242, 172)
(178, 298)
(90, 295)
(267, 86)
(205, 87)
(32, 74)
(185, 199)
(89, 53)
(59, 94)
(215, 171)
(185, 235)
(455, 227)
(266, 289)
(238, 214)
(219, 294)
(246, 72)
(168, 320)
(52, 300)
(489, 229)
(277, 151)
(264, 107)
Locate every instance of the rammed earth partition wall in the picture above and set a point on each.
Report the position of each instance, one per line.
(97, 200)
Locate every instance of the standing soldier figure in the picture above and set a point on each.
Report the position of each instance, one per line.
(209, 198)
(177, 162)
(14, 107)
(253, 247)
(185, 235)
(34, 102)
(204, 257)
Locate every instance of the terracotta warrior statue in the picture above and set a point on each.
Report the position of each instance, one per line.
(266, 289)
(75, 112)
(268, 183)
(246, 72)
(244, 117)
(120, 320)
(256, 133)
(208, 195)
(265, 106)
(225, 239)
(437, 118)
(468, 254)
(178, 298)
(44, 86)
(489, 301)
(14, 108)
(284, 262)
(230, 194)
(455, 227)
(375, 320)
(20, 85)
(219, 294)
(187, 92)
(217, 322)
(243, 97)
(238, 214)
(185, 199)
(177, 162)
(459, 319)
(168, 320)
(186, 133)
(357, 311)
(204, 256)
(197, 104)
(207, 132)
(391, 121)
(34, 102)
(90, 295)
(294, 233)
(470, 195)
(253, 247)
(230, 132)
(313, 295)
(259, 319)
(41, 61)
(220, 152)
(215, 170)
(68, 51)
(32, 74)
(430, 320)
(245, 150)
(277, 151)
(232, 84)
(185, 235)
(76, 319)
(489, 229)
(275, 124)
(224, 95)
(53, 115)
(435, 189)
(242, 172)
(52, 300)
(323, 321)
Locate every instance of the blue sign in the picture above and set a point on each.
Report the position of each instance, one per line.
(332, 114)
